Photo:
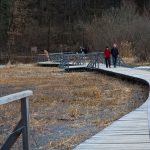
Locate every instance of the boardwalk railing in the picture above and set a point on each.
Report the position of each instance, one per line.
(97, 59)
(41, 58)
(75, 59)
(90, 59)
(79, 59)
(23, 125)
(53, 57)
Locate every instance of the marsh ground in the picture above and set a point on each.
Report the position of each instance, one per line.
(66, 108)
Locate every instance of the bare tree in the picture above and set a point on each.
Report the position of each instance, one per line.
(122, 25)
(16, 26)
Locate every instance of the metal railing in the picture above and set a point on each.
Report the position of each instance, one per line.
(53, 57)
(92, 60)
(79, 59)
(23, 125)
(76, 59)
(97, 59)
(41, 58)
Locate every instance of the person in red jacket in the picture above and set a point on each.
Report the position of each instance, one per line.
(107, 57)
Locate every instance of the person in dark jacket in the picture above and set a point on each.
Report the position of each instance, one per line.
(114, 53)
(107, 57)
(81, 51)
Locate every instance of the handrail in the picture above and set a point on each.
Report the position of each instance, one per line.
(54, 57)
(90, 59)
(23, 125)
(78, 59)
(57, 57)
(73, 59)
(14, 97)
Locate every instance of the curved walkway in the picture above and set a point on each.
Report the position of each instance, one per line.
(131, 132)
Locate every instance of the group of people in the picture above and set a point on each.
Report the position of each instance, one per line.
(108, 53)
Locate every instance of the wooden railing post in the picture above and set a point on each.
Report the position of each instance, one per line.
(25, 119)
(23, 125)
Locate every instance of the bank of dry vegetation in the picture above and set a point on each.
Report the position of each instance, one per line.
(66, 108)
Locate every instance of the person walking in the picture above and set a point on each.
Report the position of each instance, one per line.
(107, 57)
(114, 53)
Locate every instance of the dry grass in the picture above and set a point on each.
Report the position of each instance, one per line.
(66, 142)
(135, 61)
(67, 108)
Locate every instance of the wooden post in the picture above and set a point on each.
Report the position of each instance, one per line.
(25, 119)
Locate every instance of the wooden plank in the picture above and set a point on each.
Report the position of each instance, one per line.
(129, 132)
(48, 63)
(14, 97)
(137, 146)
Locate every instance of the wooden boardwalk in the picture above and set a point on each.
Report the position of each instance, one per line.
(130, 132)
(48, 64)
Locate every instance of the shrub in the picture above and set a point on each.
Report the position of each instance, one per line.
(130, 30)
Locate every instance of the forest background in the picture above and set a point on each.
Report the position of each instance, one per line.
(65, 25)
